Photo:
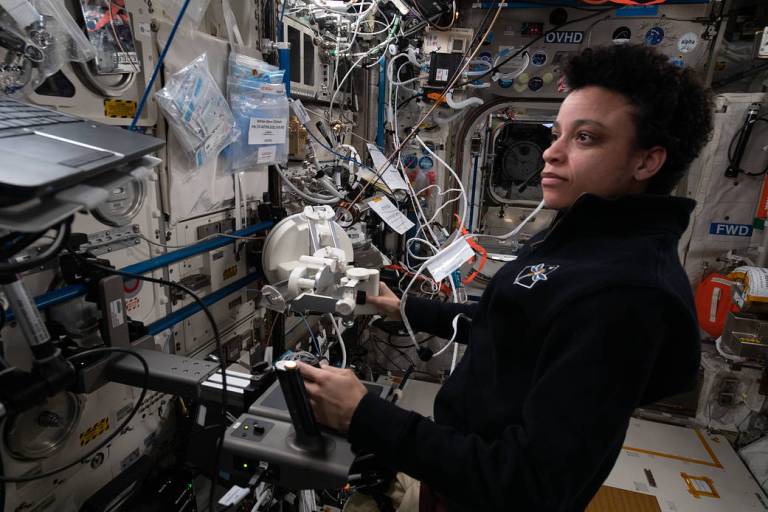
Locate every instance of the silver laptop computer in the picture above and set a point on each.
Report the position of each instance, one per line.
(43, 151)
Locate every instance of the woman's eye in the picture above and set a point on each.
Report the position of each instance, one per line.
(553, 137)
(584, 137)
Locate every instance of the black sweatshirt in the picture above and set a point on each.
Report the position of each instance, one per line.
(593, 319)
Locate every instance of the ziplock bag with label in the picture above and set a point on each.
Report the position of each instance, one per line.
(198, 112)
(260, 107)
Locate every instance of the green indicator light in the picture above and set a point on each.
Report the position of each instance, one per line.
(245, 465)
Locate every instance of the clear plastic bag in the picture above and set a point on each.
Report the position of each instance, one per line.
(198, 112)
(194, 14)
(261, 110)
(46, 46)
(108, 26)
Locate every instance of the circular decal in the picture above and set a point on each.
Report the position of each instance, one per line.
(539, 58)
(687, 42)
(548, 78)
(535, 83)
(486, 56)
(505, 84)
(523, 78)
(520, 87)
(131, 287)
(426, 163)
(654, 36)
(621, 35)
(410, 161)
(678, 62)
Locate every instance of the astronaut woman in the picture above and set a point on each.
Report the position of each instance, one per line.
(593, 319)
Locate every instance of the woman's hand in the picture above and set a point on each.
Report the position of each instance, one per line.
(387, 302)
(333, 393)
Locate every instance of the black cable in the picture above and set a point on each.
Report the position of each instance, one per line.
(731, 156)
(431, 20)
(117, 431)
(21, 242)
(410, 99)
(219, 351)
(64, 229)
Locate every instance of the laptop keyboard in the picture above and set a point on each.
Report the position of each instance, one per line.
(14, 114)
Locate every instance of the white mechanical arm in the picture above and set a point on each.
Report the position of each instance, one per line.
(307, 260)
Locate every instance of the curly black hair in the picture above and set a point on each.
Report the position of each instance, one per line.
(672, 108)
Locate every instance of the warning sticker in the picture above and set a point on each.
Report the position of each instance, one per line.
(95, 431)
(120, 108)
(229, 272)
(267, 131)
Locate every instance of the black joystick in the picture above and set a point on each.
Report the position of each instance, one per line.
(307, 433)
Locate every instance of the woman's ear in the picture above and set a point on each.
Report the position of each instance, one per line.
(650, 163)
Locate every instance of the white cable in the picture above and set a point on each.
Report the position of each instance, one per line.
(458, 105)
(352, 68)
(722, 352)
(341, 341)
(404, 82)
(463, 214)
(455, 325)
(510, 76)
(330, 187)
(304, 195)
(444, 120)
(431, 259)
(454, 358)
(411, 192)
(478, 72)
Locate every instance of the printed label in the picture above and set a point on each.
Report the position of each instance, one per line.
(441, 75)
(389, 174)
(449, 259)
(132, 304)
(117, 314)
(300, 111)
(718, 228)
(389, 213)
(267, 131)
(687, 42)
(266, 154)
(564, 37)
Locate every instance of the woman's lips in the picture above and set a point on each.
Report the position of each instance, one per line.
(549, 179)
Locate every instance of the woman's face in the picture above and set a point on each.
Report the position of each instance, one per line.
(593, 150)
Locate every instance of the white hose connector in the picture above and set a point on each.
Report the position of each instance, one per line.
(412, 57)
(458, 105)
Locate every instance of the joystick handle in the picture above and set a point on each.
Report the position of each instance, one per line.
(303, 418)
